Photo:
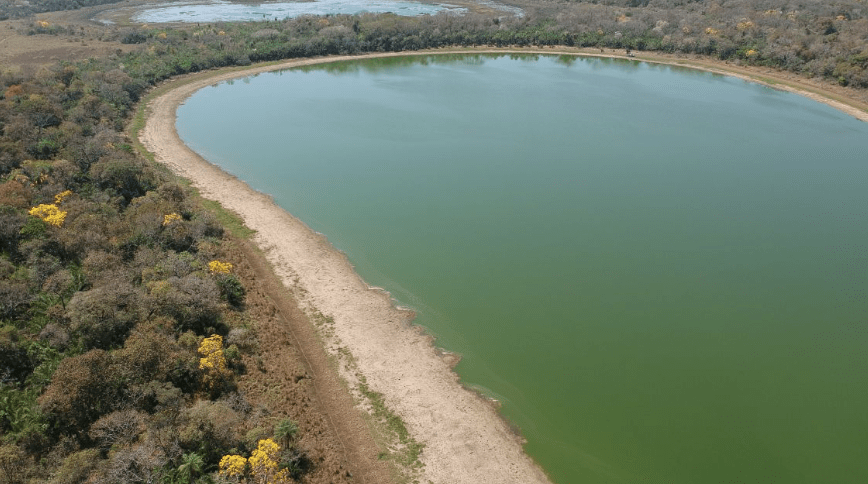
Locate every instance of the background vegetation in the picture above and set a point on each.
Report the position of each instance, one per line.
(23, 8)
(811, 37)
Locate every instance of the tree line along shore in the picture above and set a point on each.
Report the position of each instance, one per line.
(132, 346)
(812, 38)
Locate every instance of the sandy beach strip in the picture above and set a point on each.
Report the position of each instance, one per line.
(465, 439)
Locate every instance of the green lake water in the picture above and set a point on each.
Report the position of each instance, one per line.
(661, 273)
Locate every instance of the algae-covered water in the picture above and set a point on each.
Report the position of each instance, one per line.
(661, 273)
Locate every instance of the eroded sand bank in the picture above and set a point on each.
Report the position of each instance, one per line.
(465, 439)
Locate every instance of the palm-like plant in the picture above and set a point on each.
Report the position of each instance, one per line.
(191, 466)
(285, 431)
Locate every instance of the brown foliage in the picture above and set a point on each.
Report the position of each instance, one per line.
(101, 267)
(77, 467)
(11, 222)
(133, 465)
(13, 468)
(82, 389)
(83, 234)
(103, 316)
(14, 194)
(210, 429)
(118, 428)
(13, 91)
(148, 354)
(193, 301)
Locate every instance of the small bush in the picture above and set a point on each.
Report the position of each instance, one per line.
(242, 338)
(134, 38)
(231, 289)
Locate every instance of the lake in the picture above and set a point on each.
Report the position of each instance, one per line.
(660, 273)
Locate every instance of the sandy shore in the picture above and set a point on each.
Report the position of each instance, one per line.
(465, 439)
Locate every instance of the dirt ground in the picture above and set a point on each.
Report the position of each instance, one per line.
(294, 378)
(81, 40)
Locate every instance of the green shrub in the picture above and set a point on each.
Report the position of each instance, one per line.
(231, 289)
(34, 228)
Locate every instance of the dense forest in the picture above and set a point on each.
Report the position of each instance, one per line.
(127, 337)
(124, 327)
(122, 324)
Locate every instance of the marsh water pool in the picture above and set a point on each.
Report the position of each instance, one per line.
(661, 273)
(226, 11)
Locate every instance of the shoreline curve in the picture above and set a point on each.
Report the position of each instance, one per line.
(465, 438)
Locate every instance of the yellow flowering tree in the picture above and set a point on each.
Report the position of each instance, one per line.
(233, 466)
(211, 350)
(60, 197)
(264, 464)
(172, 217)
(49, 213)
(217, 267)
(213, 361)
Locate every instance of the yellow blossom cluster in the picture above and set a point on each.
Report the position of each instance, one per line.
(217, 267)
(167, 219)
(50, 214)
(711, 31)
(232, 466)
(264, 464)
(58, 199)
(744, 25)
(751, 53)
(42, 23)
(211, 350)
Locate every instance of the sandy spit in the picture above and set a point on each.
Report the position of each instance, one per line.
(465, 439)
